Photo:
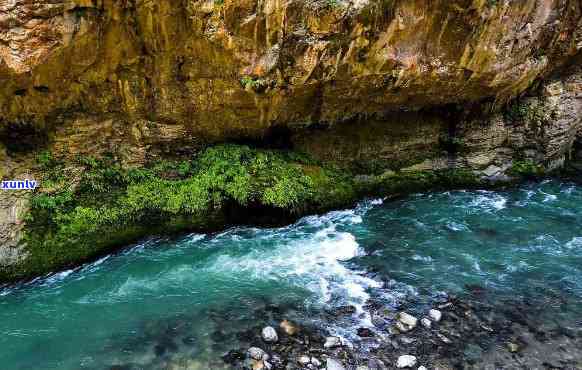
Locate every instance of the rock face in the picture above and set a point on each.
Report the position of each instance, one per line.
(188, 72)
(539, 127)
(375, 87)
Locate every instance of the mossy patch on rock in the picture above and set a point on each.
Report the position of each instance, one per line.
(526, 169)
(406, 182)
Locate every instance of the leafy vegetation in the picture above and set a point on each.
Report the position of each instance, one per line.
(96, 204)
(257, 85)
(526, 169)
(91, 206)
(333, 3)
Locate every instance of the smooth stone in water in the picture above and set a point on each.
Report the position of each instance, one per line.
(257, 353)
(406, 361)
(270, 335)
(435, 315)
(513, 348)
(426, 322)
(332, 342)
(406, 322)
(406, 340)
(333, 364)
(444, 339)
(304, 360)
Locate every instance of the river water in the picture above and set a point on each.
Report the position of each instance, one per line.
(167, 302)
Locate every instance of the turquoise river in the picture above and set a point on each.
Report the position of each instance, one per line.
(187, 299)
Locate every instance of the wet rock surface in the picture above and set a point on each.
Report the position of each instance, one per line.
(475, 331)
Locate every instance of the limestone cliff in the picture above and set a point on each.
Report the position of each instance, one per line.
(375, 87)
(190, 72)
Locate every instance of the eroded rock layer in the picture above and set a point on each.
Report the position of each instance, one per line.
(229, 69)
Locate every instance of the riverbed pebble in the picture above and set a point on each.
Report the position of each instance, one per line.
(513, 348)
(315, 362)
(426, 322)
(332, 342)
(444, 339)
(257, 353)
(406, 361)
(270, 335)
(304, 360)
(333, 364)
(435, 315)
(406, 322)
(288, 327)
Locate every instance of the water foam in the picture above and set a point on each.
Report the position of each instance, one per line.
(488, 201)
(316, 261)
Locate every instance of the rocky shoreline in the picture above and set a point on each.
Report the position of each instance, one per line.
(458, 333)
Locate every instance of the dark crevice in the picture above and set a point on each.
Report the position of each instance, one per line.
(23, 138)
(42, 89)
(277, 137)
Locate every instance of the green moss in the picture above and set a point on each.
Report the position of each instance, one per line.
(109, 205)
(414, 181)
(532, 111)
(526, 169)
(257, 85)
